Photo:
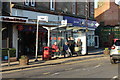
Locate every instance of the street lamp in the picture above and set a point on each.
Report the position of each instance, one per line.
(39, 18)
(86, 15)
(37, 40)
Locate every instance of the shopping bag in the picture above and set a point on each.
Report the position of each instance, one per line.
(77, 48)
(69, 50)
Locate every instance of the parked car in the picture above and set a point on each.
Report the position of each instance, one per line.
(115, 52)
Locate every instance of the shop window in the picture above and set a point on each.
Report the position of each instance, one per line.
(30, 2)
(74, 8)
(91, 40)
(27, 2)
(4, 39)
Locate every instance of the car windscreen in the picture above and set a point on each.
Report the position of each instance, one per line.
(117, 43)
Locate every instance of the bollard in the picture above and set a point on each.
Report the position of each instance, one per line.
(8, 57)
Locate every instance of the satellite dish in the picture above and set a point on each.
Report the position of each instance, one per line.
(117, 2)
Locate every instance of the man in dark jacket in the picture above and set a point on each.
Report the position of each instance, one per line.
(72, 45)
(66, 49)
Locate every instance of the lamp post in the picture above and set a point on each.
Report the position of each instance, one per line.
(39, 18)
(37, 41)
(86, 16)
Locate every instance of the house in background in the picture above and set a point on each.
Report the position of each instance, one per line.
(107, 15)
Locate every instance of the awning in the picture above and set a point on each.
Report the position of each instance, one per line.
(22, 20)
(78, 28)
(75, 28)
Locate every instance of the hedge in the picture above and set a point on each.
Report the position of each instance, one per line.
(12, 52)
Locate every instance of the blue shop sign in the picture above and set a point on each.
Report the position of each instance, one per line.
(77, 22)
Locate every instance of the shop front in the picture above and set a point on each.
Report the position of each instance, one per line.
(60, 36)
(22, 34)
(27, 39)
(82, 31)
(107, 35)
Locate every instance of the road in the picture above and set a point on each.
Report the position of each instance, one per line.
(91, 68)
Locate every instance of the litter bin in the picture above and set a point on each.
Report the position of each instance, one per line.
(47, 53)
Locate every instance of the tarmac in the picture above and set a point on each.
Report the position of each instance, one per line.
(15, 65)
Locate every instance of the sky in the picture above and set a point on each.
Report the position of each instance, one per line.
(96, 3)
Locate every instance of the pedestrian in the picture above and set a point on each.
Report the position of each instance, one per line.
(68, 40)
(72, 45)
(55, 50)
(66, 50)
(79, 45)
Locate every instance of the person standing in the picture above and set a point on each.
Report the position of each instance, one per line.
(55, 50)
(72, 45)
(79, 45)
(66, 49)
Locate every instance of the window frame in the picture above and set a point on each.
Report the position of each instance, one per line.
(32, 3)
(26, 2)
(52, 4)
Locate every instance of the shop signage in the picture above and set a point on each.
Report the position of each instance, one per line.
(64, 22)
(77, 22)
(29, 28)
(12, 19)
(43, 18)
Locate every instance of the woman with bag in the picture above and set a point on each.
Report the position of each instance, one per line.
(78, 47)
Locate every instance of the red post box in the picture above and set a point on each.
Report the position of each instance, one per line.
(47, 53)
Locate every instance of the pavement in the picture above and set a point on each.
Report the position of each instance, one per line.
(15, 65)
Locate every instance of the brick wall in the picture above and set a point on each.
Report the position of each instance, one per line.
(65, 7)
(108, 13)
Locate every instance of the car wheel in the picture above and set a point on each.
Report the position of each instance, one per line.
(113, 61)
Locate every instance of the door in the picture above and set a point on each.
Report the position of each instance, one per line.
(96, 41)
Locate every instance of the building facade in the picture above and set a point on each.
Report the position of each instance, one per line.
(19, 19)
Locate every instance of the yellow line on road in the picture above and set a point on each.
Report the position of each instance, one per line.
(46, 73)
(26, 69)
(83, 60)
(23, 69)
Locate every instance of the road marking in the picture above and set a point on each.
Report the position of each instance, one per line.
(97, 66)
(55, 74)
(46, 73)
(115, 78)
